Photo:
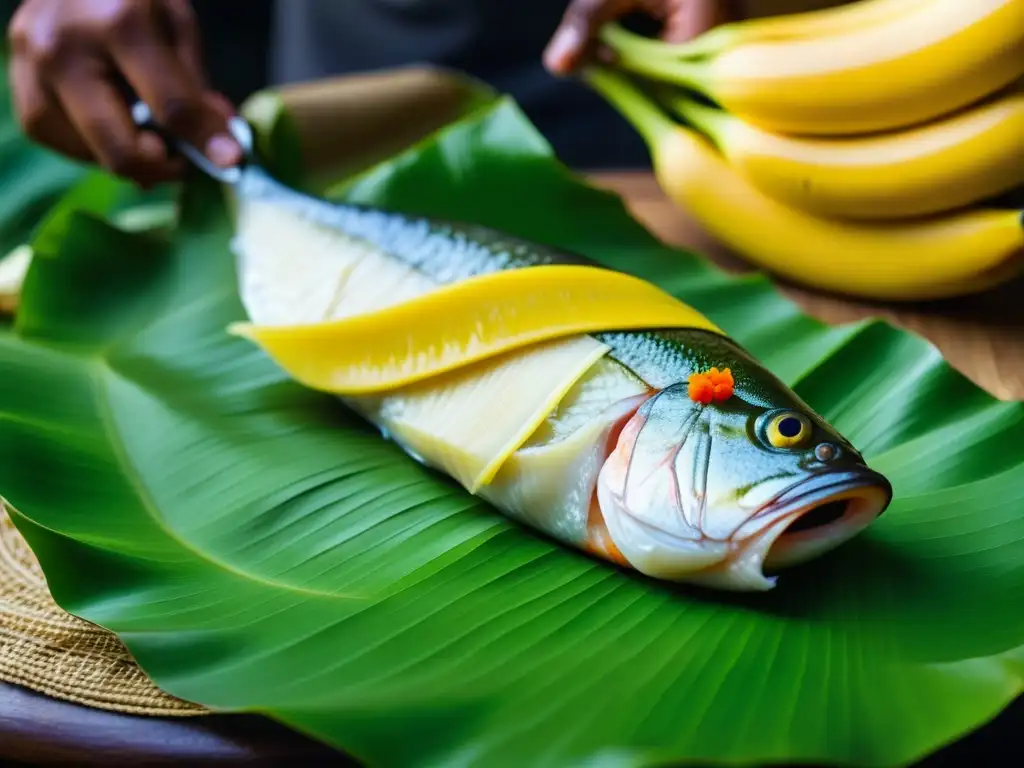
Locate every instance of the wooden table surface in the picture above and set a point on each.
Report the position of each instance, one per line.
(982, 336)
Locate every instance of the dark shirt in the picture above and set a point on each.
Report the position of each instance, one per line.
(497, 41)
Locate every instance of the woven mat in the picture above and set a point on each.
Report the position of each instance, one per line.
(49, 651)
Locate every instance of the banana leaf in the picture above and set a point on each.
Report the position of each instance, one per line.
(260, 549)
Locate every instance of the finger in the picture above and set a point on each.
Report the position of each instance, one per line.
(688, 18)
(188, 45)
(573, 40)
(40, 114)
(152, 67)
(220, 104)
(186, 40)
(101, 117)
(219, 149)
(162, 167)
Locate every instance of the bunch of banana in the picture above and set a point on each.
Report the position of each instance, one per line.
(855, 149)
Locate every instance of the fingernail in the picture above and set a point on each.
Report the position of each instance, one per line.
(223, 150)
(563, 46)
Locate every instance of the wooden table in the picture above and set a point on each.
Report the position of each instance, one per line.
(982, 336)
(36, 730)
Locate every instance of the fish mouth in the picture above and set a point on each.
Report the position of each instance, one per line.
(804, 521)
(819, 514)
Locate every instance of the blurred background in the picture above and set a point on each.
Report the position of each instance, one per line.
(241, 38)
(252, 43)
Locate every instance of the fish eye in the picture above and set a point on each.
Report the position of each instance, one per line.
(787, 429)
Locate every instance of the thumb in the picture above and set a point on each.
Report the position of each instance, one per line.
(222, 149)
(573, 40)
(186, 40)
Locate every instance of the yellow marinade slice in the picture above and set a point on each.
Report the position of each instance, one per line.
(466, 322)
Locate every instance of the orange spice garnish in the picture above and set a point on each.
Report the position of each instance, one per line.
(711, 386)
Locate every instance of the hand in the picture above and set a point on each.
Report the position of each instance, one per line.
(573, 41)
(70, 60)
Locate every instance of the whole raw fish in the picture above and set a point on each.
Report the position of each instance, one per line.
(674, 453)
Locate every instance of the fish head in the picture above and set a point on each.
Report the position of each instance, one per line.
(717, 494)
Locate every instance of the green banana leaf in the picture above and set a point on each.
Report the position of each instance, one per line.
(260, 549)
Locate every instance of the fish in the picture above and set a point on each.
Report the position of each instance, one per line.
(672, 453)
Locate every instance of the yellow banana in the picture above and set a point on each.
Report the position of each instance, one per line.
(827, 21)
(915, 260)
(968, 157)
(938, 57)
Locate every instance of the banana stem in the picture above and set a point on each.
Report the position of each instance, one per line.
(653, 58)
(712, 122)
(642, 113)
(618, 38)
(707, 43)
